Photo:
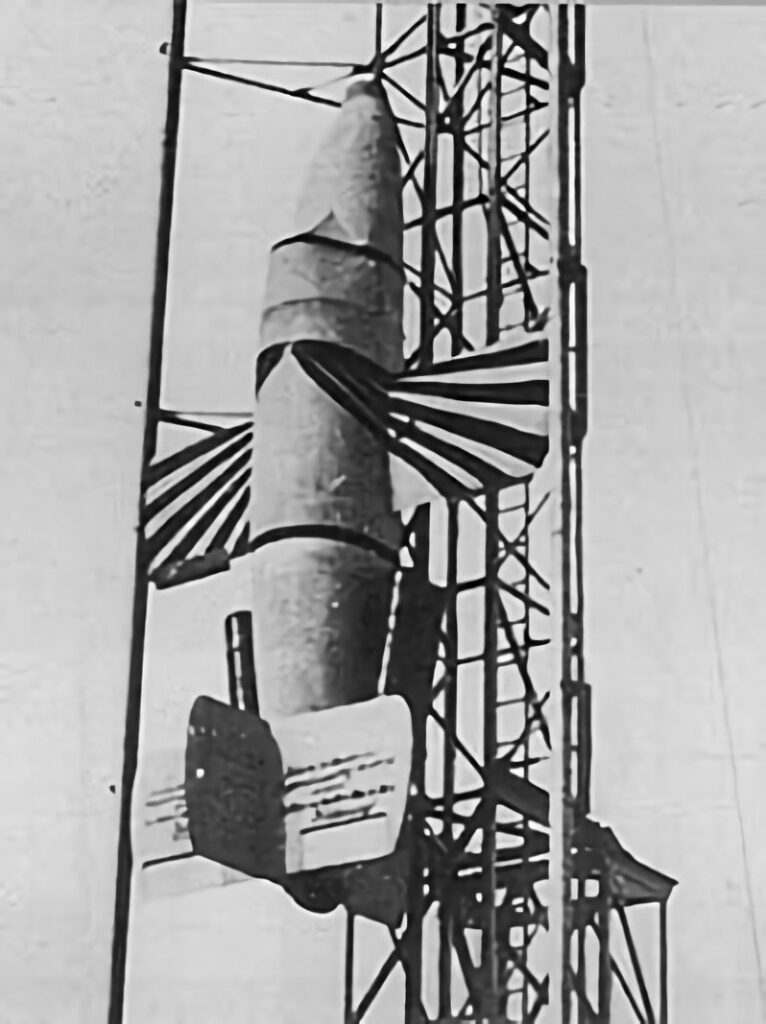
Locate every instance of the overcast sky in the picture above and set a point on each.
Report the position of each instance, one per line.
(675, 151)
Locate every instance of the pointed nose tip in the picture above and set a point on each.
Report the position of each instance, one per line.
(364, 85)
(355, 177)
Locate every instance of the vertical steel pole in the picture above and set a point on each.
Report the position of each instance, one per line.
(378, 31)
(446, 910)
(561, 803)
(490, 964)
(527, 259)
(124, 871)
(458, 178)
(348, 978)
(664, 1005)
(528, 707)
(430, 164)
(604, 947)
(582, 964)
(575, 75)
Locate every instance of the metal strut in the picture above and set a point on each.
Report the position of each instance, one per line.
(123, 880)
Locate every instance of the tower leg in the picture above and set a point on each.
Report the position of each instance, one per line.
(124, 872)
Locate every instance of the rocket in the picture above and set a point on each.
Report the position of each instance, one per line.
(322, 516)
(311, 491)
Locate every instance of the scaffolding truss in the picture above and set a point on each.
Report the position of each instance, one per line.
(487, 106)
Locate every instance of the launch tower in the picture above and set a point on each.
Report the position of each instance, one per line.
(519, 903)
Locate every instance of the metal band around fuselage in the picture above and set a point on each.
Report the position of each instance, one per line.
(327, 531)
(355, 248)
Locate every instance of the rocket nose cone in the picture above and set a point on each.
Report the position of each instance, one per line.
(353, 185)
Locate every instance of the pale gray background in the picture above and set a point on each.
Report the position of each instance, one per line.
(675, 149)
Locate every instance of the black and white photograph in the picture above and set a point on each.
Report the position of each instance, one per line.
(384, 513)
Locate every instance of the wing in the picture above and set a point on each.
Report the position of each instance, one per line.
(465, 425)
(195, 506)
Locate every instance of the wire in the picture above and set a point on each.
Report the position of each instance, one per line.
(257, 62)
(702, 518)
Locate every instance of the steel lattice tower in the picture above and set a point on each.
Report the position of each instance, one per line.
(487, 104)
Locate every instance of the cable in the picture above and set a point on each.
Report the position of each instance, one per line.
(702, 518)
